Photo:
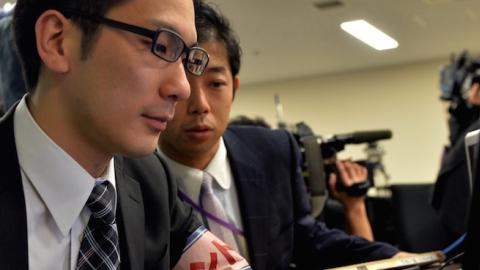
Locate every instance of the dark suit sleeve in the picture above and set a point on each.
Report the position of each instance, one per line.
(168, 221)
(183, 221)
(267, 166)
(317, 246)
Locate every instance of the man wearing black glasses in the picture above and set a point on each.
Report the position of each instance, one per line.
(103, 78)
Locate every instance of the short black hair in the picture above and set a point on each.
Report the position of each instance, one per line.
(26, 15)
(213, 26)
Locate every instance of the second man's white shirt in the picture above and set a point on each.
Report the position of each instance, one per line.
(190, 181)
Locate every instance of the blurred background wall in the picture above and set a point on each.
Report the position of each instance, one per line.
(403, 98)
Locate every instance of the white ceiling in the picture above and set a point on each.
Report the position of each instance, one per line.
(284, 39)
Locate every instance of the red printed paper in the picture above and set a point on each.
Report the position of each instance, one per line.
(205, 251)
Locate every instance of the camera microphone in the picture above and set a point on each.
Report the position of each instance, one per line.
(362, 136)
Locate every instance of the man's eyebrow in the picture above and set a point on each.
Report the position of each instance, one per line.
(161, 24)
(217, 69)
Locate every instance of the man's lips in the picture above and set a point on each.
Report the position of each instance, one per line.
(157, 123)
(199, 131)
(198, 128)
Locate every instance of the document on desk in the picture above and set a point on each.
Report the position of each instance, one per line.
(397, 263)
(204, 251)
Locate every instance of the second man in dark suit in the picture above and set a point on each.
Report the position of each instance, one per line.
(255, 171)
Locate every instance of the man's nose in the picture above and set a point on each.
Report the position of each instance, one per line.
(198, 100)
(177, 87)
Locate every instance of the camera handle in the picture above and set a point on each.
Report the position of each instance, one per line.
(316, 180)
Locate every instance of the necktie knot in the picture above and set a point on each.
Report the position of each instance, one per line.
(101, 202)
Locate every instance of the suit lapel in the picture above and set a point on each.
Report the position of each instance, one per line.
(251, 186)
(13, 219)
(131, 219)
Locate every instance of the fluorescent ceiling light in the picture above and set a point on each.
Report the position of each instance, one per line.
(369, 34)
(8, 6)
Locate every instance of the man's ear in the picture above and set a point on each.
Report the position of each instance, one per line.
(236, 85)
(50, 30)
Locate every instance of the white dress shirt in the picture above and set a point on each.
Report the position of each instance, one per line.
(190, 182)
(56, 189)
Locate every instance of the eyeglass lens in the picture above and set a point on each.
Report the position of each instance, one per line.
(170, 47)
(197, 60)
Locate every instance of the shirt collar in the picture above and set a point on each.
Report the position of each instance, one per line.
(62, 184)
(190, 179)
(219, 166)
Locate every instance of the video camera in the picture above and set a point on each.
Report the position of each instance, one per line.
(457, 77)
(328, 147)
(317, 152)
(336, 143)
(455, 82)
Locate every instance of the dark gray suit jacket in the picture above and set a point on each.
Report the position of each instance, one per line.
(451, 194)
(276, 211)
(12, 86)
(153, 223)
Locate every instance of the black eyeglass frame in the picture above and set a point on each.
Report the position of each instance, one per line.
(153, 35)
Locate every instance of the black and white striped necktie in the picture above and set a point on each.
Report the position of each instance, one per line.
(99, 248)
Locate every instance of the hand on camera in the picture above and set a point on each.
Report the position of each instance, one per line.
(356, 218)
(350, 173)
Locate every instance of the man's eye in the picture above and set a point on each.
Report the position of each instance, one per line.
(146, 42)
(160, 48)
(217, 84)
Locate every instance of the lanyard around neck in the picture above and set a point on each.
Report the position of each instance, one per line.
(209, 215)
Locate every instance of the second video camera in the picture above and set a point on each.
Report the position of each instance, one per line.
(328, 147)
(457, 77)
